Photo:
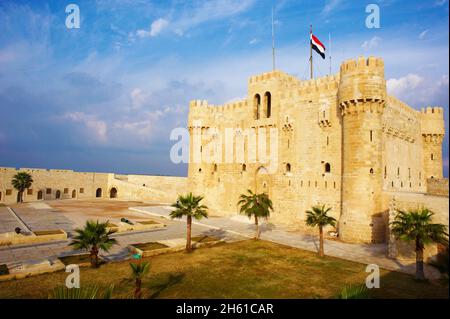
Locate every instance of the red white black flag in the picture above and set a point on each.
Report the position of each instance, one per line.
(317, 46)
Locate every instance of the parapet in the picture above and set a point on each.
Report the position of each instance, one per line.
(276, 74)
(432, 121)
(362, 80)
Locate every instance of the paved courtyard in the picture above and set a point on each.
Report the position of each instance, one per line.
(70, 214)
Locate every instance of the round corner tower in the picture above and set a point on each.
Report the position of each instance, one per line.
(361, 97)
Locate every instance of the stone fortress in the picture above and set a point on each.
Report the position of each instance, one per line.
(342, 142)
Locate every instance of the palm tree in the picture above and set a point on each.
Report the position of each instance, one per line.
(256, 205)
(415, 225)
(87, 292)
(93, 237)
(21, 181)
(317, 216)
(189, 206)
(138, 272)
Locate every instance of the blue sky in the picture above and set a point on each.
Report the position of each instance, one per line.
(106, 96)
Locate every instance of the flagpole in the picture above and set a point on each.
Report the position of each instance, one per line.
(273, 42)
(329, 37)
(310, 52)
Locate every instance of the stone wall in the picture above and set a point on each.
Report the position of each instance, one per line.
(437, 186)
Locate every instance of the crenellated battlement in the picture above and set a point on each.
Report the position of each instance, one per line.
(371, 64)
(273, 75)
(432, 123)
(434, 111)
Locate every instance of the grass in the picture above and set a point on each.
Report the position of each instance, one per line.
(149, 246)
(148, 222)
(82, 259)
(47, 232)
(204, 239)
(246, 269)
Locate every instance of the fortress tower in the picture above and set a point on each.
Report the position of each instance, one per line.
(362, 98)
(432, 129)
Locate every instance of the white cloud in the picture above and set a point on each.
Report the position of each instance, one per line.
(372, 43)
(137, 98)
(399, 87)
(330, 6)
(98, 127)
(156, 28)
(253, 41)
(440, 3)
(423, 34)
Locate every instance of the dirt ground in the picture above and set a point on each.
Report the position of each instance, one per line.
(98, 208)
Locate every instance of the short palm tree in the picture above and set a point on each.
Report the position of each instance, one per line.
(189, 206)
(87, 292)
(317, 217)
(354, 292)
(139, 271)
(256, 206)
(416, 225)
(21, 181)
(93, 237)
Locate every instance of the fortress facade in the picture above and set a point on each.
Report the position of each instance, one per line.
(341, 141)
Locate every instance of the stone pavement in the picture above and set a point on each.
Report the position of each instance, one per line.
(173, 229)
(363, 253)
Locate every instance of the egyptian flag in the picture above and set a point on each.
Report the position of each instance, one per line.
(317, 46)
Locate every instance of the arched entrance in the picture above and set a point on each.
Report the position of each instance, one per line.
(262, 180)
(113, 193)
(98, 193)
(58, 194)
(39, 195)
(0, 196)
(74, 194)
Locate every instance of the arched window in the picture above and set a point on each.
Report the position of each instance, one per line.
(257, 105)
(199, 170)
(268, 103)
(288, 168)
(327, 168)
(113, 193)
(371, 171)
(58, 194)
(215, 168)
(244, 167)
(98, 193)
(432, 156)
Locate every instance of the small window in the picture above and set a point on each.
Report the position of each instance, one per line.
(327, 168)
(301, 183)
(392, 183)
(48, 191)
(288, 168)
(215, 168)
(268, 101)
(398, 171)
(315, 184)
(401, 184)
(385, 172)
(81, 190)
(66, 191)
(328, 141)
(371, 171)
(257, 105)
(432, 156)
(326, 184)
(288, 143)
(244, 167)
(289, 182)
(334, 184)
(199, 170)
(29, 191)
(371, 136)
(8, 192)
(409, 173)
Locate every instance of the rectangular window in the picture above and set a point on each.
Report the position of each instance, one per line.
(66, 191)
(371, 136)
(48, 191)
(8, 192)
(29, 191)
(81, 190)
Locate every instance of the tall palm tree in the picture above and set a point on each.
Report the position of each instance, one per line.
(139, 271)
(256, 206)
(317, 217)
(21, 181)
(93, 237)
(415, 225)
(189, 206)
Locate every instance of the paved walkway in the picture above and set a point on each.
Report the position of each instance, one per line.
(363, 253)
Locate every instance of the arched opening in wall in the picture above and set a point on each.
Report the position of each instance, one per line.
(257, 105)
(74, 194)
(288, 168)
(262, 179)
(58, 194)
(113, 193)
(432, 156)
(215, 168)
(98, 193)
(244, 167)
(371, 171)
(327, 168)
(199, 170)
(39, 195)
(268, 103)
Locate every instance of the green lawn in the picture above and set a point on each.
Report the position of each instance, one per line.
(247, 269)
